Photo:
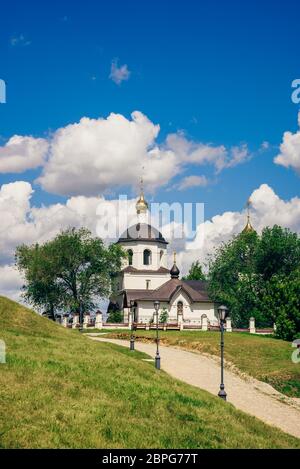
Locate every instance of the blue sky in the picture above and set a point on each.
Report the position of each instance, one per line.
(220, 72)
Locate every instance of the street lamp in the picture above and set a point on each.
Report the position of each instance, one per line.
(157, 356)
(223, 313)
(132, 325)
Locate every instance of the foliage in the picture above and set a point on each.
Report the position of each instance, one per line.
(259, 276)
(115, 316)
(233, 279)
(71, 271)
(195, 272)
(163, 318)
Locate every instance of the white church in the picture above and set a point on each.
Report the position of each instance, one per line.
(146, 277)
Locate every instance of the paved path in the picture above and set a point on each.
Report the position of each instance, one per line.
(250, 395)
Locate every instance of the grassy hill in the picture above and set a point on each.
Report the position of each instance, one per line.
(262, 357)
(59, 389)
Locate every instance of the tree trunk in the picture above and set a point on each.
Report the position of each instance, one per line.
(51, 313)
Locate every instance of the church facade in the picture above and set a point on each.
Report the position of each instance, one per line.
(147, 277)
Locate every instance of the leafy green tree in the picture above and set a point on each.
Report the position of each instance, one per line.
(278, 265)
(195, 272)
(77, 268)
(40, 288)
(115, 317)
(259, 276)
(163, 318)
(233, 279)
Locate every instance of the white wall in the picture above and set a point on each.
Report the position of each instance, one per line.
(138, 254)
(138, 281)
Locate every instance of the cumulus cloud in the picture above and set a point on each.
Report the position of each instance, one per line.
(204, 154)
(119, 73)
(96, 155)
(289, 155)
(22, 153)
(11, 282)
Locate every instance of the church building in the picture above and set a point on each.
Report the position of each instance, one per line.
(147, 277)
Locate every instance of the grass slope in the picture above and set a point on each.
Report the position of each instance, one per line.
(262, 357)
(60, 389)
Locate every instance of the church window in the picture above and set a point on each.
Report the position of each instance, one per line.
(179, 307)
(148, 284)
(147, 257)
(161, 254)
(130, 256)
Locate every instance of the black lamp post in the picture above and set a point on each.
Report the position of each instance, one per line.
(157, 356)
(132, 338)
(223, 313)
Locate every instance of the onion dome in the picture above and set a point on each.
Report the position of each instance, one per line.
(248, 228)
(141, 205)
(174, 270)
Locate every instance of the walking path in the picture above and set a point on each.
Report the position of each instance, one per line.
(248, 394)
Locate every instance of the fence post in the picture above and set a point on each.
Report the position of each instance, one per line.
(86, 320)
(65, 320)
(99, 320)
(252, 325)
(204, 323)
(75, 320)
(228, 325)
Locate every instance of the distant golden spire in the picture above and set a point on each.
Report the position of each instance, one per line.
(142, 204)
(174, 257)
(248, 228)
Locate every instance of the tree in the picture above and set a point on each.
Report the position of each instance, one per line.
(115, 316)
(74, 270)
(40, 288)
(163, 318)
(278, 266)
(195, 272)
(233, 279)
(259, 276)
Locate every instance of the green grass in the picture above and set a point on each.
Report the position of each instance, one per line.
(59, 389)
(262, 357)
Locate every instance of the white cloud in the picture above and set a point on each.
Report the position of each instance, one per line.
(11, 282)
(289, 155)
(22, 153)
(220, 157)
(191, 181)
(96, 155)
(119, 73)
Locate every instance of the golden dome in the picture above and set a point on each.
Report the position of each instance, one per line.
(248, 228)
(142, 204)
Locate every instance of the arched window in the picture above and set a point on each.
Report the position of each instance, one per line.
(161, 254)
(130, 256)
(147, 257)
(179, 307)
